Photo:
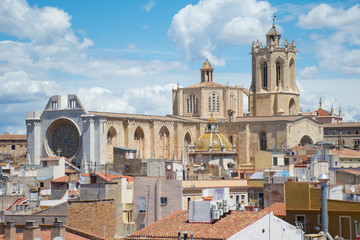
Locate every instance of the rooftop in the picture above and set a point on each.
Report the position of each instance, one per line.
(227, 226)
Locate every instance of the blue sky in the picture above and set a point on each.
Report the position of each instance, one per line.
(126, 56)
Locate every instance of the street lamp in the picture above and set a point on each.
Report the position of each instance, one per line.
(324, 179)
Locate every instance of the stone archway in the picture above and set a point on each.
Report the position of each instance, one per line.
(306, 140)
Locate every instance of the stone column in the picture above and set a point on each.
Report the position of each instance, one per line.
(247, 143)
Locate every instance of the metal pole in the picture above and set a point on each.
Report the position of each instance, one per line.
(324, 210)
(355, 228)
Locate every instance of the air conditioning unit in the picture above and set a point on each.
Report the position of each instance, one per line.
(221, 212)
(226, 209)
(225, 202)
(214, 207)
(215, 215)
(220, 205)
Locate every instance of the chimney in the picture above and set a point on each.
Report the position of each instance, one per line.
(10, 231)
(58, 230)
(32, 230)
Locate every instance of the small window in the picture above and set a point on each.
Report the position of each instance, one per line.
(286, 161)
(41, 184)
(142, 205)
(242, 198)
(275, 161)
(12, 147)
(42, 220)
(141, 226)
(163, 201)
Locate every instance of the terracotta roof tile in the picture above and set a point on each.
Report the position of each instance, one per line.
(351, 171)
(12, 137)
(279, 209)
(346, 152)
(61, 179)
(108, 177)
(178, 221)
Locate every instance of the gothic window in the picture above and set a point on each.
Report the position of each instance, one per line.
(214, 103)
(139, 141)
(264, 75)
(192, 104)
(164, 143)
(263, 141)
(188, 105)
(278, 74)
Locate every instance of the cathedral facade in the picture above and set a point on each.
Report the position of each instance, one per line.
(271, 123)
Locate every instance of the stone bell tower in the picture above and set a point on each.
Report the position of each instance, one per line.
(273, 90)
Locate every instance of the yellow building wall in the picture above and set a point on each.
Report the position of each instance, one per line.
(263, 160)
(301, 199)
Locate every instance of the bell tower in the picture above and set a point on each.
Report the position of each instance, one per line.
(273, 90)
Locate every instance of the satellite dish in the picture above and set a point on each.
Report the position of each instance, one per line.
(168, 167)
(352, 189)
(202, 168)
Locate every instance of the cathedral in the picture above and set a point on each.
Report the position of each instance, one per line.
(272, 121)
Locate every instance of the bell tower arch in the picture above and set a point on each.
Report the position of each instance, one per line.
(273, 83)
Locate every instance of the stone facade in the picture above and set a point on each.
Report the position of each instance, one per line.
(88, 138)
(208, 98)
(273, 90)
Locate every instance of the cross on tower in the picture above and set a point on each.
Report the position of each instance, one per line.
(274, 18)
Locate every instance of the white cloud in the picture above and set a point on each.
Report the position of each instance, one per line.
(340, 51)
(199, 30)
(308, 72)
(148, 6)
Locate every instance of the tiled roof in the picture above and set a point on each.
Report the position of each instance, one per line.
(12, 137)
(207, 84)
(344, 124)
(351, 171)
(322, 112)
(178, 221)
(279, 209)
(344, 152)
(108, 177)
(61, 179)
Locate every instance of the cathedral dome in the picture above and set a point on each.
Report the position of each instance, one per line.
(212, 140)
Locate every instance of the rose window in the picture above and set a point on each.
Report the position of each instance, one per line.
(65, 140)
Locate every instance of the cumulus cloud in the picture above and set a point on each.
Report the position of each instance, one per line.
(199, 30)
(344, 42)
(150, 100)
(308, 72)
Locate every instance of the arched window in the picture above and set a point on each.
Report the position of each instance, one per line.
(292, 107)
(192, 104)
(278, 73)
(263, 141)
(139, 141)
(164, 143)
(214, 103)
(264, 74)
